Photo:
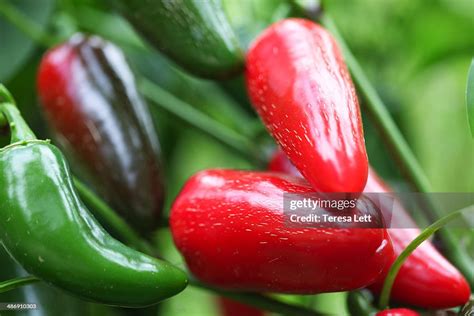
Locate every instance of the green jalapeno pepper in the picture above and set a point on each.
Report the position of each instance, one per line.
(47, 229)
(196, 34)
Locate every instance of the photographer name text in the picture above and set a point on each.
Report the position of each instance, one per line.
(326, 218)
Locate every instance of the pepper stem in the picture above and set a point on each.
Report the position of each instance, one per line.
(19, 130)
(5, 95)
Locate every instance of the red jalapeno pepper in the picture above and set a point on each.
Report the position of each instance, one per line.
(230, 227)
(301, 88)
(92, 105)
(426, 279)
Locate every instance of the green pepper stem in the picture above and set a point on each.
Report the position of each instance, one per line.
(424, 235)
(470, 97)
(404, 156)
(19, 130)
(12, 284)
(5, 95)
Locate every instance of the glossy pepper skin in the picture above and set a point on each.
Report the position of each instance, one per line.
(195, 34)
(426, 279)
(52, 235)
(90, 100)
(301, 88)
(397, 312)
(229, 307)
(230, 227)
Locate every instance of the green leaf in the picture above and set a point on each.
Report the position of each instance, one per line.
(470, 97)
(16, 46)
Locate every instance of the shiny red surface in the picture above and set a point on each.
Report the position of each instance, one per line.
(89, 97)
(426, 279)
(397, 312)
(229, 226)
(300, 86)
(232, 308)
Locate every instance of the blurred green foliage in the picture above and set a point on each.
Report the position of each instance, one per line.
(16, 46)
(416, 53)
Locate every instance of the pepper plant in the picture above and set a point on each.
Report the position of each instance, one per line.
(204, 71)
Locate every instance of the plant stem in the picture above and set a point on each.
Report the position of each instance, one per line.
(470, 97)
(424, 235)
(405, 158)
(112, 219)
(12, 284)
(5, 97)
(190, 115)
(19, 130)
(259, 301)
(25, 24)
